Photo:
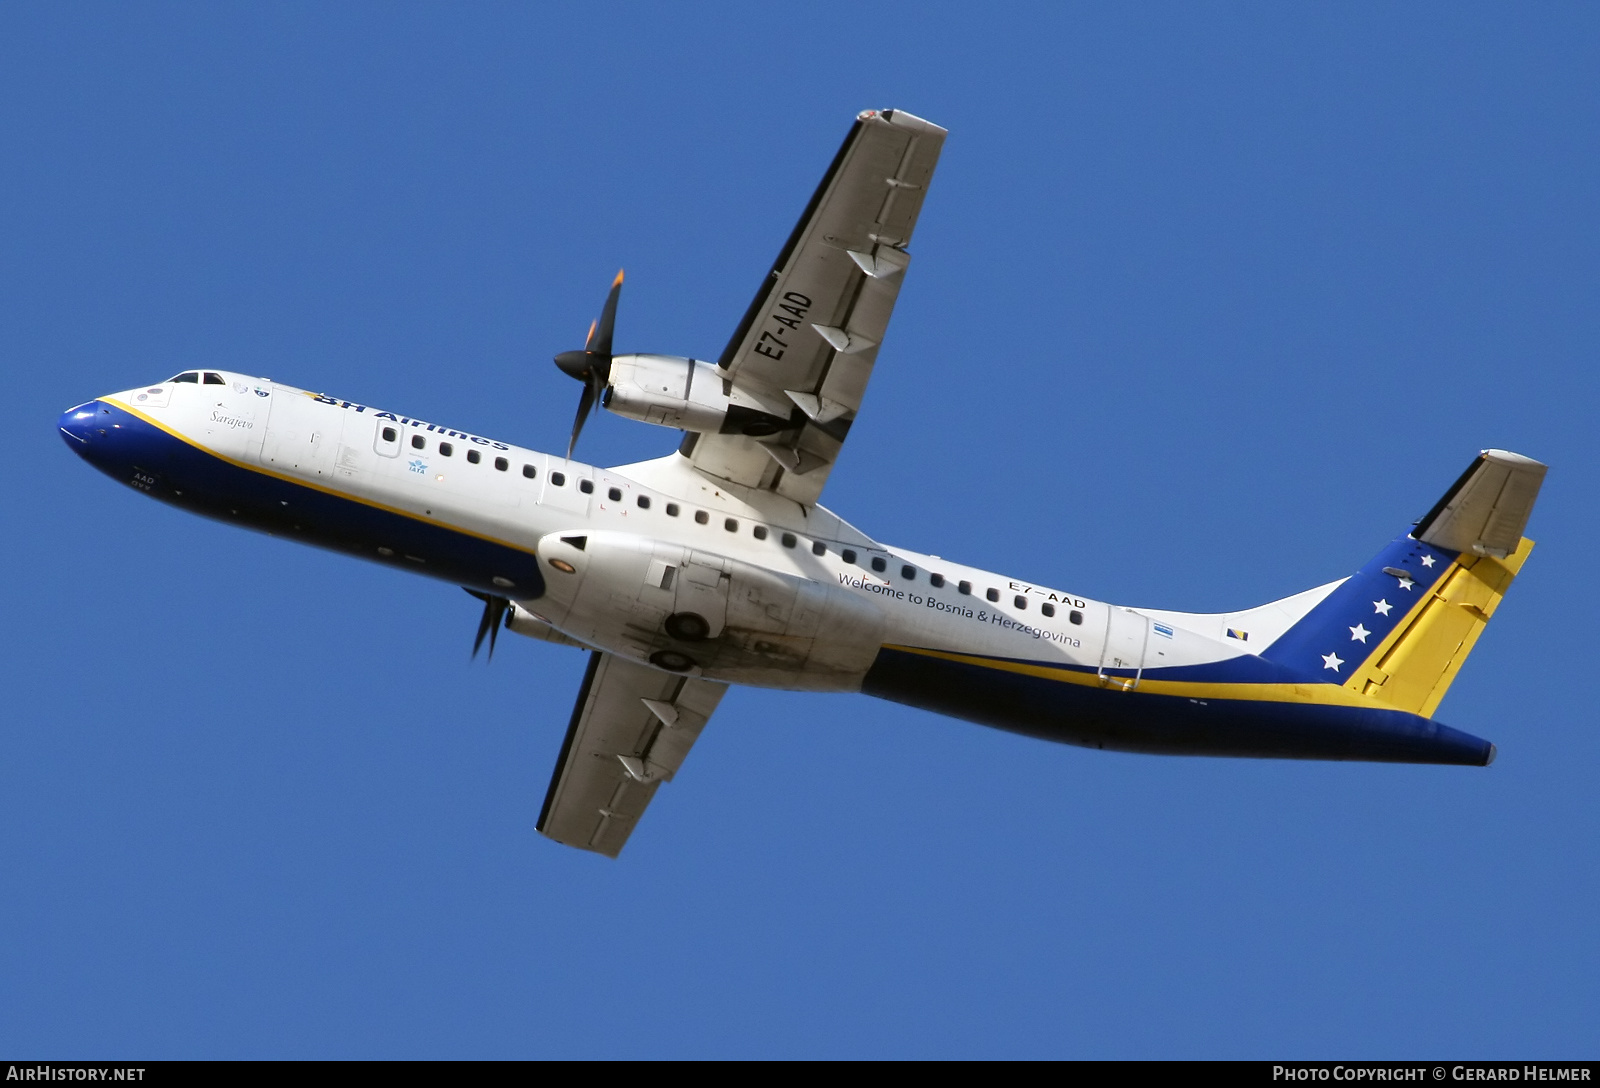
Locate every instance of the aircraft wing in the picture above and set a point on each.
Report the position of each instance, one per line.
(630, 731)
(806, 346)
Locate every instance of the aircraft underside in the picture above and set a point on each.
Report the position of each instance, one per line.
(1094, 716)
(717, 564)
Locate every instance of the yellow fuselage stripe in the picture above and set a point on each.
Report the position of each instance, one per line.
(1309, 692)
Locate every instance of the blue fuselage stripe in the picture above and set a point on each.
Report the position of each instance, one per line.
(166, 467)
(1143, 722)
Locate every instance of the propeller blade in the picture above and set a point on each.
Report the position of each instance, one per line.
(498, 605)
(600, 332)
(484, 626)
(494, 611)
(592, 365)
(585, 406)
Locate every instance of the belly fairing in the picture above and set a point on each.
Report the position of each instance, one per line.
(711, 614)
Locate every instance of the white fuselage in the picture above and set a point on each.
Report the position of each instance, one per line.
(793, 596)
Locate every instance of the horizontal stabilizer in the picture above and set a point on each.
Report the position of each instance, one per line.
(1487, 509)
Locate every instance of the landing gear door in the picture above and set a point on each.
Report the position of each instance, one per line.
(1122, 657)
(701, 587)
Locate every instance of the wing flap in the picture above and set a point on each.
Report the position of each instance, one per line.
(811, 335)
(631, 729)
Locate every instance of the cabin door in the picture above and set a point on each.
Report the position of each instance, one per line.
(1122, 657)
(301, 435)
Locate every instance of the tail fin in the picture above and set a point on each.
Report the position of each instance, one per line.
(1399, 629)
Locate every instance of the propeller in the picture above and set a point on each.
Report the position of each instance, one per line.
(494, 611)
(592, 365)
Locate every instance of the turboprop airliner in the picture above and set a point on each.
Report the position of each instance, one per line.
(717, 564)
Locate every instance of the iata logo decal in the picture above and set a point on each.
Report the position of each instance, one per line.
(418, 466)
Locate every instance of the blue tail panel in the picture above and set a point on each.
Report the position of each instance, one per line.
(1335, 637)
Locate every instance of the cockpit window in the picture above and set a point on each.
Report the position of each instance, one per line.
(187, 376)
(213, 378)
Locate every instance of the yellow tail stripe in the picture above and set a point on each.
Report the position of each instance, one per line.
(1414, 667)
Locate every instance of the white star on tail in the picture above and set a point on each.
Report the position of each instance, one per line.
(1428, 560)
(1381, 607)
(1331, 661)
(1359, 634)
(1406, 584)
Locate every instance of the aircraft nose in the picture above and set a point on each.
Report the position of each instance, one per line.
(78, 426)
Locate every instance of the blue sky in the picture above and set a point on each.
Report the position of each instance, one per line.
(1209, 302)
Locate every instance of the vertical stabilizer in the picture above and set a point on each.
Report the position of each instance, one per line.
(1398, 630)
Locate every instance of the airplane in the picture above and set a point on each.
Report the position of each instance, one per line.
(717, 564)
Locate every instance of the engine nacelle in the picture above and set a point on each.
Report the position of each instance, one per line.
(686, 610)
(689, 395)
(520, 620)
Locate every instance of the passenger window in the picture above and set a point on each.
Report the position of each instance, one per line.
(701, 517)
(388, 434)
(1048, 609)
(1075, 616)
(558, 479)
(644, 502)
(848, 555)
(446, 449)
(818, 548)
(993, 594)
(501, 463)
(759, 532)
(473, 456)
(213, 378)
(1020, 601)
(191, 376)
(936, 581)
(672, 509)
(964, 588)
(614, 494)
(909, 573)
(731, 524)
(529, 471)
(586, 486)
(788, 540)
(879, 563)
(418, 442)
